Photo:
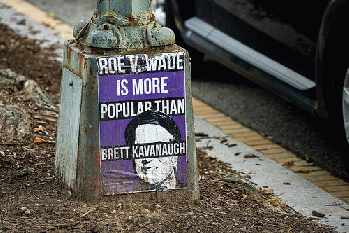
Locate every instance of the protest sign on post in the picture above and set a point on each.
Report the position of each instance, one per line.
(126, 118)
(142, 123)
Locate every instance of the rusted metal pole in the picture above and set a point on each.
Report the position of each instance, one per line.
(126, 117)
(121, 24)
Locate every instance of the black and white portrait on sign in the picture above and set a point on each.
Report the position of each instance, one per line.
(159, 135)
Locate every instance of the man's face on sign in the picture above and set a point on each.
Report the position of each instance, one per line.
(154, 170)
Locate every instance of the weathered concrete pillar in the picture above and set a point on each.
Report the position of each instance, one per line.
(126, 117)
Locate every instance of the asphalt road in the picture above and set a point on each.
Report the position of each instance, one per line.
(267, 113)
(242, 100)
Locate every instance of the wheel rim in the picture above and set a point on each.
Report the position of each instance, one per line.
(345, 101)
(158, 9)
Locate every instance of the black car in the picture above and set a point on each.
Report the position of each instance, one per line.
(296, 49)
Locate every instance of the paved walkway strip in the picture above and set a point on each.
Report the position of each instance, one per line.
(40, 16)
(323, 179)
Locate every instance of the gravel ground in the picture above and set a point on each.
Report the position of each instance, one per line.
(32, 199)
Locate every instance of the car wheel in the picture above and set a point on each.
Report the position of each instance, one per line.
(345, 105)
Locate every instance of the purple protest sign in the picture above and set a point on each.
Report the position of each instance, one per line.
(142, 123)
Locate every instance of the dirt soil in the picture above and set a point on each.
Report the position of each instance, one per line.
(33, 200)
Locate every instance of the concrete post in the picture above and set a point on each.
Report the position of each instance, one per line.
(126, 118)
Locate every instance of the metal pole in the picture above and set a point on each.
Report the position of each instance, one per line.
(121, 24)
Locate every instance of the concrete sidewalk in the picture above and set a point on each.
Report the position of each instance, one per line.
(239, 141)
(296, 192)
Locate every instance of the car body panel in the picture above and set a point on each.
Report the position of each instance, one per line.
(270, 30)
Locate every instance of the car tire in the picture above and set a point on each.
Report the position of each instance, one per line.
(339, 132)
